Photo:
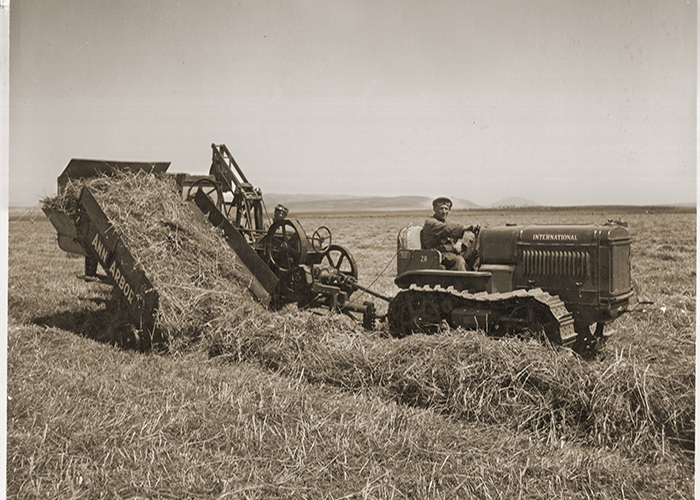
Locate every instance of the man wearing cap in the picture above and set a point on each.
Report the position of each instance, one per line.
(280, 213)
(445, 236)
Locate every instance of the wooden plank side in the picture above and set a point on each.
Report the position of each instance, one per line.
(98, 218)
(99, 238)
(83, 168)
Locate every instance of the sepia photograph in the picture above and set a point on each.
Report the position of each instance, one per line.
(350, 249)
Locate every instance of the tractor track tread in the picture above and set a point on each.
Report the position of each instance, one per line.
(555, 307)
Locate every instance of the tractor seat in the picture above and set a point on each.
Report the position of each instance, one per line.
(410, 256)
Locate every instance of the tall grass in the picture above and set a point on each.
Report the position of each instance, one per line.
(618, 403)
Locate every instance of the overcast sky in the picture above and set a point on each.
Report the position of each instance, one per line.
(564, 102)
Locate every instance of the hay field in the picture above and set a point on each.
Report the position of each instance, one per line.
(294, 404)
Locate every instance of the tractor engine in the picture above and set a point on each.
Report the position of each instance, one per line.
(587, 266)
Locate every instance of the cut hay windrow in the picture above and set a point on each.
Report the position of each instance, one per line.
(519, 384)
(196, 274)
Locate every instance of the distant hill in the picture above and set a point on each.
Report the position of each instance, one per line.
(351, 203)
(462, 203)
(514, 201)
(348, 203)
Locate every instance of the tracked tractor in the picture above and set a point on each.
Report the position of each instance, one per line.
(565, 283)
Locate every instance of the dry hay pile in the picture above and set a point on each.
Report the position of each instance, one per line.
(195, 272)
(519, 384)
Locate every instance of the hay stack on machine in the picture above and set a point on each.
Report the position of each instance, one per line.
(279, 264)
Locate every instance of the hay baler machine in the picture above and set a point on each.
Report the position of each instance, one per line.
(568, 282)
(311, 271)
(281, 263)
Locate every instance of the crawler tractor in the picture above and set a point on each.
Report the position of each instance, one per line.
(564, 282)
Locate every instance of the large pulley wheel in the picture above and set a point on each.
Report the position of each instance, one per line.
(286, 244)
(340, 259)
(209, 187)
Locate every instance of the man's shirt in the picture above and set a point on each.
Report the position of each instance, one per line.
(440, 235)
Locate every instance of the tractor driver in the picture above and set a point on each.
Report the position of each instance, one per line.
(445, 236)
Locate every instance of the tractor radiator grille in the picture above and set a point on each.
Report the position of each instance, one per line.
(621, 269)
(556, 263)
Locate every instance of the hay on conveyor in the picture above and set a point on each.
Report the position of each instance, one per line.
(196, 274)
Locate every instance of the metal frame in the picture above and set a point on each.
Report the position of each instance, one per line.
(246, 209)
